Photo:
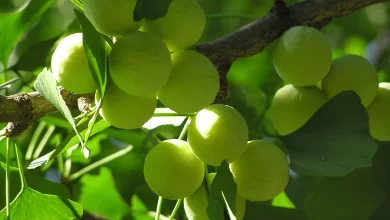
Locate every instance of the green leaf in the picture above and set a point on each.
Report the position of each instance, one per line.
(354, 196)
(335, 141)
(94, 147)
(283, 201)
(383, 212)
(96, 50)
(12, 6)
(100, 196)
(33, 205)
(254, 210)
(69, 141)
(159, 134)
(224, 190)
(381, 165)
(34, 180)
(14, 25)
(46, 85)
(150, 9)
(139, 210)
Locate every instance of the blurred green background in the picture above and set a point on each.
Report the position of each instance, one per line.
(118, 190)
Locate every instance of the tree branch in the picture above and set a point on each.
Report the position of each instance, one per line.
(254, 37)
(22, 109)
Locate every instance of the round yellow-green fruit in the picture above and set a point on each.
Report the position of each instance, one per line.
(126, 111)
(182, 25)
(379, 113)
(195, 205)
(69, 65)
(293, 106)
(140, 63)
(111, 17)
(261, 172)
(193, 84)
(352, 72)
(172, 171)
(302, 56)
(216, 133)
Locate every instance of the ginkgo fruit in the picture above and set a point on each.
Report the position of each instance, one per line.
(293, 106)
(216, 133)
(140, 63)
(69, 62)
(111, 17)
(302, 56)
(126, 111)
(193, 84)
(261, 172)
(182, 25)
(352, 72)
(172, 171)
(195, 205)
(379, 113)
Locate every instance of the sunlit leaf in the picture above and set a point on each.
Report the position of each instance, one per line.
(29, 204)
(46, 85)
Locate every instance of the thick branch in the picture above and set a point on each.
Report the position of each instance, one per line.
(254, 37)
(28, 107)
(20, 110)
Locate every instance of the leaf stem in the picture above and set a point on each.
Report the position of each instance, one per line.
(177, 206)
(101, 162)
(10, 82)
(91, 122)
(34, 140)
(7, 178)
(206, 173)
(21, 169)
(44, 141)
(185, 129)
(158, 209)
(68, 161)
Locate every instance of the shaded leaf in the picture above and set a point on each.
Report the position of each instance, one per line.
(12, 6)
(16, 24)
(159, 134)
(223, 190)
(354, 196)
(96, 50)
(254, 210)
(100, 196)
(139, 210)
(383, 212)
(150, 9)
(335, 141)
(33, 205)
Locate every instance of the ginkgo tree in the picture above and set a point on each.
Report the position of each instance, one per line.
(191, 109)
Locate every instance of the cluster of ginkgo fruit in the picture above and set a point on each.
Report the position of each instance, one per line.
(303, 58)
(150, 60)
